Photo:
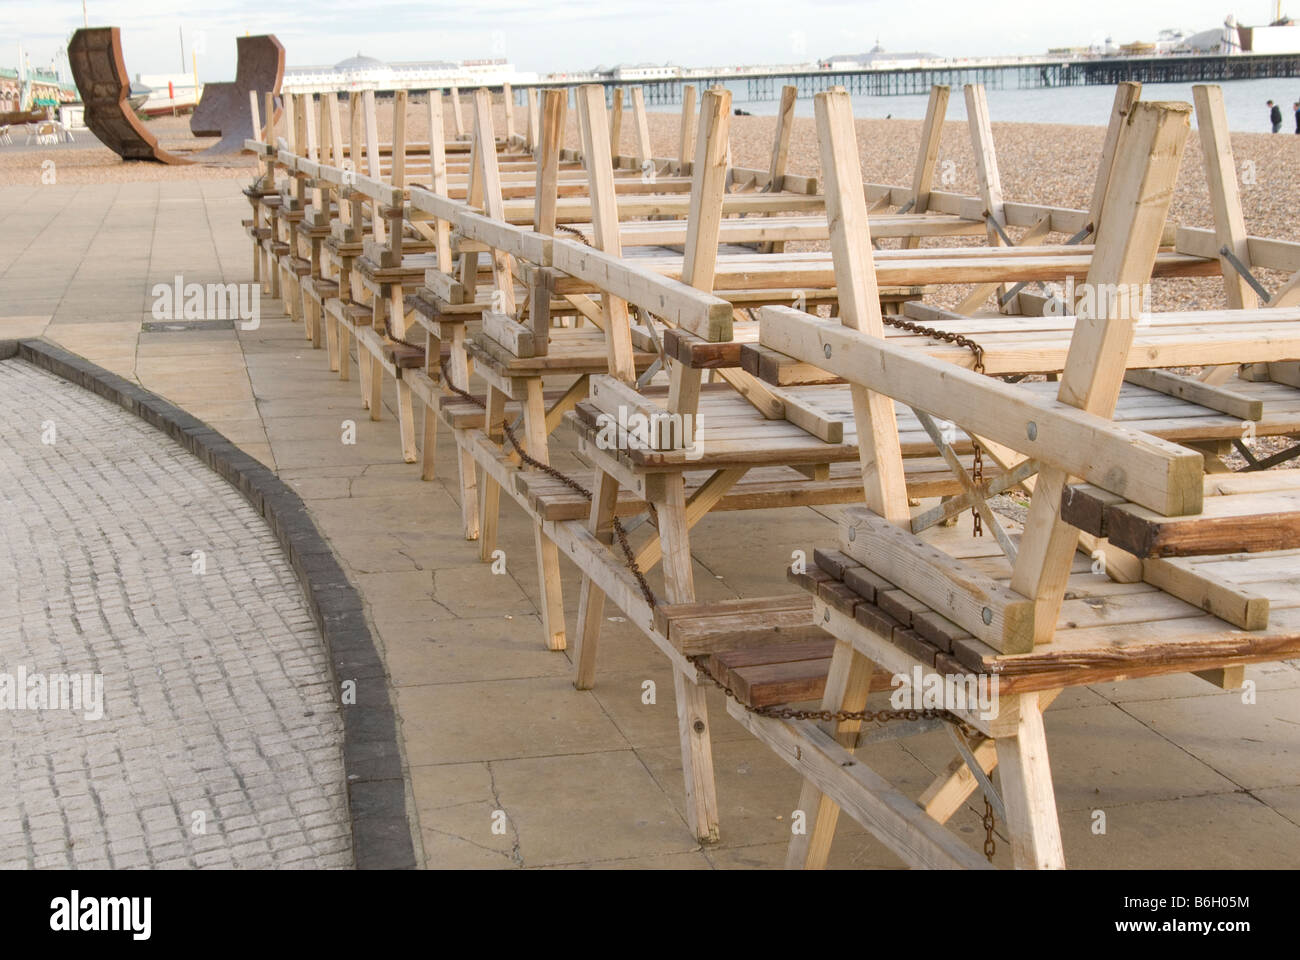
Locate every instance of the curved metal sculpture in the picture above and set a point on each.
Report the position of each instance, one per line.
(224, 110)
(95, 55)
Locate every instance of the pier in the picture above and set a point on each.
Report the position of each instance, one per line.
(1013, 73)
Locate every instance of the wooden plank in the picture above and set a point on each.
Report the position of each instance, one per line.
(485, 141)
(1126, 95)
(703, 314)
(658, 428)
(927, 154)
(458, 122)
(891, 816)
(644, 152)
(708, 185)
(687, 136)
(615, 121)
(1248, 523)
(986, 162)
(1225, 200)
(1132, 222)
(881, 459)
(1195, 391)
(514, 336)
(598, 161)
(1234, 603)
(1156, 473)
(989, 611)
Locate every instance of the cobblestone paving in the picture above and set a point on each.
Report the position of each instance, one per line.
(219, 743)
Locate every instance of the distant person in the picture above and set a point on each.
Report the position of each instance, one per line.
(1275, 116)
(1296, 107)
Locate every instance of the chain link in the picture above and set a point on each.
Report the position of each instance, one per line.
(977, 351)
(573, 230)
(990, 845)
(870, 716)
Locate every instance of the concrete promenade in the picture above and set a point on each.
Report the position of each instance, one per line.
(1187, 776)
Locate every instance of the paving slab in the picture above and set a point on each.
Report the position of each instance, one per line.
(488, 719)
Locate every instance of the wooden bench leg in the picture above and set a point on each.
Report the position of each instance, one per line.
(406, 422)
(489, 503)
(950, 789)
(591, 599)
(363, 373)
(847, 687)
(331, 338)
(257, 262)
(309, 316)
(459, 368)
(692, 708)
(469, 514)
(275, 273)
(344, 351)
(548, 555)
(429, 444)
(376, 400)
(1025, 778)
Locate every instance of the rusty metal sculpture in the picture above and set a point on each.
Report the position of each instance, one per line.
(224, 110)
(95, 54)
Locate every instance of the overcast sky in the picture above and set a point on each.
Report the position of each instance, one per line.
(580, 34)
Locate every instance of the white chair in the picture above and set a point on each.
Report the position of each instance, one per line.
(4, 135)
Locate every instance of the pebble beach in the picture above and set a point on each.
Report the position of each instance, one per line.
(1053, 164)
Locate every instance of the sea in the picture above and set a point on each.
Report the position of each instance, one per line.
(1244, 100)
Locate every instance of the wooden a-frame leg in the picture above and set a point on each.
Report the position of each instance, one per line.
(692, 708)
(591, 599)
(364, 372)
(489, 503)
(311, 318)
(847, 687)
(950, 789)
(344, 350)
(331, 339)
(406, 421)
(548, 555)
(374, 400)
(277, 287)
(459, 368)
(1025, 779)
(429, 443)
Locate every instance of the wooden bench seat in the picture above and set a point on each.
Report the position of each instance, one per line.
(320, 289)
(353, 314)
(461, 414)
(1106, 630)
(1246, 513)
(298, 265)
(777, 674)
(411, 271)
(721, 625)
(403, 356)
(762, 488)
(569, 350)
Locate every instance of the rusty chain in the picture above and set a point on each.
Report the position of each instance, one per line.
(870, 716)
(977, 351)
(990, 846)
(575, 231)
